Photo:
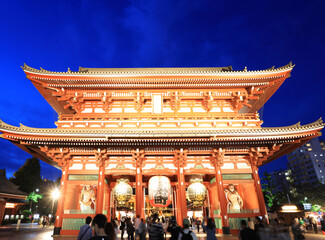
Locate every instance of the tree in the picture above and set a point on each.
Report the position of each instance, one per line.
(28, 176)
(271, 196)
(268, 189)
(34, 197)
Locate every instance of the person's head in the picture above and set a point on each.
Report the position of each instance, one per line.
(88, 220)
(210, 223)
(142, 220)
(249, 219)
(173, 220)
(243, 223)
(155, 217)
(99, 223)
(186, 223)
(258, 219)
(110, 230)
(87, 187)
(138, 216)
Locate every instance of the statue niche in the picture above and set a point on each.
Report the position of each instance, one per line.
(235, 202)
(87, 199)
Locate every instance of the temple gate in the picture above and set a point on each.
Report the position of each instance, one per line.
(119, 128)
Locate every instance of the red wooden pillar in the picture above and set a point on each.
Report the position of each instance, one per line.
(139, 194)
(61, 200)
(259, 191)
(222, 200)
(181, 197)
(210, 203)
(2, 210)
(109, 193)
(100, 188)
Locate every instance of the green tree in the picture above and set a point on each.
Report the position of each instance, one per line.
(28, 176)
(34, 197)
(26, 213)
(268, 189)
(271, 196)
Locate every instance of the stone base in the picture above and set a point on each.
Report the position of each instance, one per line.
(56, 230)
(226, 230)
(64, 237)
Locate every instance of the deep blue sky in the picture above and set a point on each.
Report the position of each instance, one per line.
(258, 34)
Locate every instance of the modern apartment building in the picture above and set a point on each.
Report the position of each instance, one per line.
(307, 163)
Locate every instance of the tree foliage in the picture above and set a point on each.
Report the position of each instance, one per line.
(268, 189)
(34, 197)
(271, 196)
(28, 176)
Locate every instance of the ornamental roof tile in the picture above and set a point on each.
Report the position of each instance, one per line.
(155, 71)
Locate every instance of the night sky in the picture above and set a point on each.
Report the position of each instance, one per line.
(258, 34)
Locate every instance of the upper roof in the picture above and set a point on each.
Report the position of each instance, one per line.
(49, 83)
(189, 71)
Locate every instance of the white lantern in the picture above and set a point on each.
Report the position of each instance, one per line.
(197, 192)
(159, 191)
(122, 192)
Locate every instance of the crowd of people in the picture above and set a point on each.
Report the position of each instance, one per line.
(276, 229)
(100, 229)
(156, 228)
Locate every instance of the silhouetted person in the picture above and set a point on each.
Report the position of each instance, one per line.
(122, 227)
(142, 230)
(210, 229)
(186, 233)
(100, 224)
(130, 229)
(85, 231)
(245, 232)
(173, 228)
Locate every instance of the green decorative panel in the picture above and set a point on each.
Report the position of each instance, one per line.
(72, 223)
(212, 180)
(234, 223)
(105, 212)
(218, 223)
(216, 211)
(238, 176)
(240, 211)
(83, 177)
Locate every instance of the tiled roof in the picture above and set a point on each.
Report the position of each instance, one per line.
(7, 187)
(155, 71)
(159, 132)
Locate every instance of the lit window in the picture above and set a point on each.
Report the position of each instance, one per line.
(320, 171)
(10, 205)
(315, 155)
(308, 144)
(321, 155)
(301, 150)
(316, 160)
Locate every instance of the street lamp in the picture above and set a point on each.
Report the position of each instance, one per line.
(55, 195)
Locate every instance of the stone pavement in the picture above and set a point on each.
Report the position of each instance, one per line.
(26, 231)
(36, 232)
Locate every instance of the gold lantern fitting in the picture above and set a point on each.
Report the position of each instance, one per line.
(122, 192)
(196, 192)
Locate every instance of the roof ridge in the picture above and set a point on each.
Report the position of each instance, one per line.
(157, 70)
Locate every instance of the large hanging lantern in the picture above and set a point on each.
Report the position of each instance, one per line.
(197, 192)
(159, 191)
(122, 192)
